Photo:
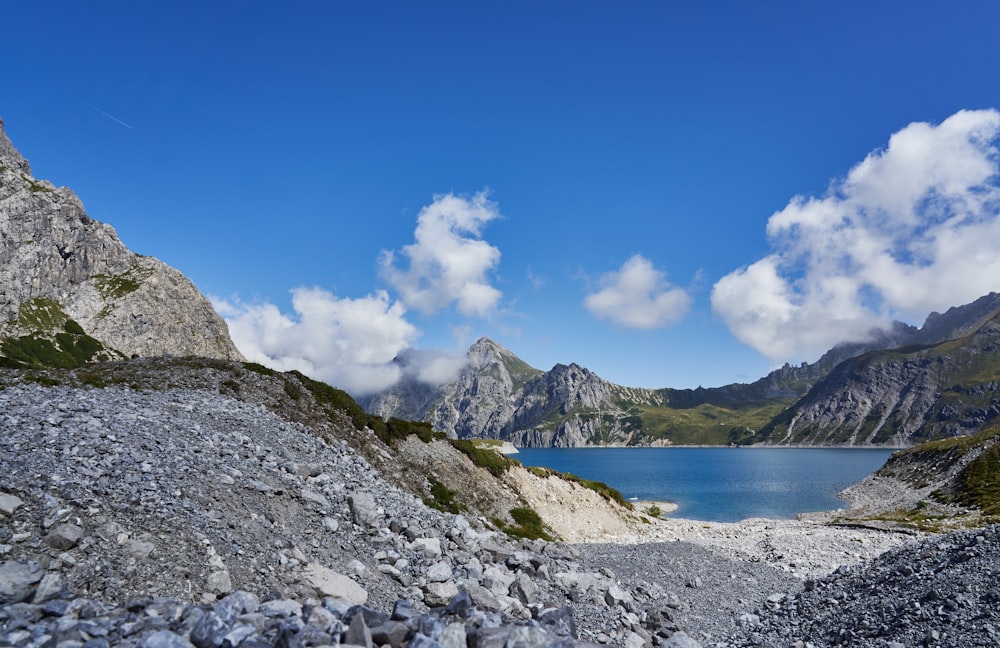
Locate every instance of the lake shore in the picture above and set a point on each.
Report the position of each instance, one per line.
(801, 547)
(804, 547)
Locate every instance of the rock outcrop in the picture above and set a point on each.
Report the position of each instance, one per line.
(54, 257)
(499, 396)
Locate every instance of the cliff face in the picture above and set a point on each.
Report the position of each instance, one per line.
(54, 256)
(498, 396)
(905, 395)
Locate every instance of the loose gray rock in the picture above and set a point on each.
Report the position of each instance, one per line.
(9, 503)
(363, 509)
(18, 580)
(64, 536)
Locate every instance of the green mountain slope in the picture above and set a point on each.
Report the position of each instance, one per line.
(900, 396)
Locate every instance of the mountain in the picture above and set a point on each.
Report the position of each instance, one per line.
(945, 384)
(72, 291)
(499, 396)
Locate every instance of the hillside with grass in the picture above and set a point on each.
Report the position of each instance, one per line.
(900, 396)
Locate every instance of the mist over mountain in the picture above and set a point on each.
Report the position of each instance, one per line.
(499, 396)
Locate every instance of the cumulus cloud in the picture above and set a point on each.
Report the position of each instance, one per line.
(638, 296)
(448, 262)
(349, 343)
(912, 228)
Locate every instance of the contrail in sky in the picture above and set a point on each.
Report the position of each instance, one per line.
(111, 117)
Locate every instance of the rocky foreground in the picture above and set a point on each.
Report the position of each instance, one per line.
(183, 517)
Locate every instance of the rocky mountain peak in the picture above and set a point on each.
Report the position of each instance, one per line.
(486, 352)
(9, 156)
(58, 262)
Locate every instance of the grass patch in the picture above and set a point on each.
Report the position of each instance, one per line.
(654, 511)
(41, 315)
(389, 432)
(119, 285)
(707, 423)
(35, 187)
(42, 379)
(491, 460)
(442, 498)
(527, 525)
(602, 489)
(259, 369)
(915, 519)
(980, 482)
(394, 430)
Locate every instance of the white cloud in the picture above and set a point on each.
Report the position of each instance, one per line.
(349, 343)
(638, 296)
(448, 262)
(432, 366)
(912, 228)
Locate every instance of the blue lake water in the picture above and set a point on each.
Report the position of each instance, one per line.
(720, 484)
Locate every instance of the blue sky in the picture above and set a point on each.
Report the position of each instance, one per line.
(670, 194)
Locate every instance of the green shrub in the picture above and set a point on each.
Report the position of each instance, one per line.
(259, 368)
(292, 390)
(491, 460)
(442, 498)
(527, 524)
(72, 327)
(654, 511)
(602, 489)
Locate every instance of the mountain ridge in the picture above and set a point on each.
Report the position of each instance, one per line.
(498, 395)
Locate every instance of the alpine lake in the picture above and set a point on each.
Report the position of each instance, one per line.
(720, 484)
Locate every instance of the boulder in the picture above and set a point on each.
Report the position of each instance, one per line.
(18, 580)
(330, 583)
(64, 536)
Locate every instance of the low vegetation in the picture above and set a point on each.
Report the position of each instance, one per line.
(67, 349)
(607, 492)
(389, 432)
(442, 498)
(119, 285)
(527, 524)
(486, 458)
(708, 423)
(41, 315)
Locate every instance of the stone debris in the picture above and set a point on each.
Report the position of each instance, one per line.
(152, 507)
(118, 528)
(240, 619)
(942, 591)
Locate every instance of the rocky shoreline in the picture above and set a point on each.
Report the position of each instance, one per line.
(186, 517)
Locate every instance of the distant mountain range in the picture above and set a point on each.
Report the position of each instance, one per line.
(903, 386)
